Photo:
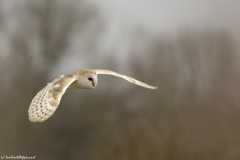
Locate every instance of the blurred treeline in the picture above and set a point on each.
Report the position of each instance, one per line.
(194, 114)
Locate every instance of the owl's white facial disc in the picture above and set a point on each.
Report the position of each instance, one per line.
(90, 80)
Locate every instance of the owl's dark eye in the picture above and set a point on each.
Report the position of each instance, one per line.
(90, 79)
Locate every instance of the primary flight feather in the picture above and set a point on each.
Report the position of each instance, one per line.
(47, 100)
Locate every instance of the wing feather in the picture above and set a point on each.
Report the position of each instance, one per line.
(45, 103)
(130, 79)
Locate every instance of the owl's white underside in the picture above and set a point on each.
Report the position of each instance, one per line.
(40, 109)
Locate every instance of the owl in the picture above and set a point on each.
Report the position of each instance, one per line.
(45, 103)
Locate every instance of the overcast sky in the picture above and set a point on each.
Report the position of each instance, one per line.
(165, 17)
(169, 16)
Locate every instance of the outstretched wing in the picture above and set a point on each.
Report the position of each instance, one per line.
(130, 79)
(47, 100)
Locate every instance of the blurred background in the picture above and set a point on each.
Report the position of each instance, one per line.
(189, 49)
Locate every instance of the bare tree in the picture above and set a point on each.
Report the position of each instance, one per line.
(38, 34)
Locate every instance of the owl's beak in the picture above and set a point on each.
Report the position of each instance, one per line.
(93, 84)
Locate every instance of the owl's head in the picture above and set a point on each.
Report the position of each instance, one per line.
(91, 79)
(86, 79)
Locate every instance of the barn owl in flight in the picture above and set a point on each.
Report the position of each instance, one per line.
(47, 100)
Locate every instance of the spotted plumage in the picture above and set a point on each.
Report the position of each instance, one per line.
(47, 100)
(40, 108)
